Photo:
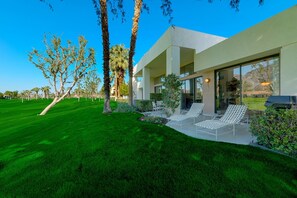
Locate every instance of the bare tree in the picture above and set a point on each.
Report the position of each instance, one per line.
(63, 65)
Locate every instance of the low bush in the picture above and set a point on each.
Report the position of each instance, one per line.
(154, 120)
(276, 129)
(124, 108)
(143, 105)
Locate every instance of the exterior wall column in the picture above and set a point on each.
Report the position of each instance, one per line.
(209, 93)
(288, 70)
(173, 60)
(173, 65)
(146, 83)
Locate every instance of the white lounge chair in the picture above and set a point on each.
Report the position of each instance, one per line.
(160, 104)
(232, 116)
(155, 107)
(194, 112)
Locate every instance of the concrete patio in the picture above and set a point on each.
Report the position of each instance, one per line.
(242, 134)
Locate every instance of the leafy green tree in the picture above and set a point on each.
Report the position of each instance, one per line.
(101, 92)
(15, 94)
(1, 95)
(63, 65)
(91, 83)
(78, 91)
(118, 66)
(8, 94)
(124, 89)
(172, 92)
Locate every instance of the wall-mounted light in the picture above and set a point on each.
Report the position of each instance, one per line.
(265, 83)
(207, 80)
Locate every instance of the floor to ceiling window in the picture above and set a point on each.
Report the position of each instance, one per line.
(228, 87)
(250, 84)
(191, 92)
(191, 88)
(198, 89)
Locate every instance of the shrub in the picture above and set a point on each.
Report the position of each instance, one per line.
(156, 96)
(124, 108)
(143, 105)
(154, 120)
(277, 129)
(172, 92)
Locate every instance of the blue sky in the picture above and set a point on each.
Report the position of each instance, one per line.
(23, 23)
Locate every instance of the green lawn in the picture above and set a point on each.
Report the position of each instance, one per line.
(75, 151)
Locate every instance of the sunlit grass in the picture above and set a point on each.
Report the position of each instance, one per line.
(76, 151)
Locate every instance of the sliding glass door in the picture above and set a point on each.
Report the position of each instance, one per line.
(191, 92)
(228, 87)
(250, 84)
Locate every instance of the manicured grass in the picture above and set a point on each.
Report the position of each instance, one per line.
(76, 151)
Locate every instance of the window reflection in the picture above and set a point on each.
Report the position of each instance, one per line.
(228, 89)
(250, 84)
(259, 81)
(191, 92)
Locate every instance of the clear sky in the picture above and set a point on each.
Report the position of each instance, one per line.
(23, 23)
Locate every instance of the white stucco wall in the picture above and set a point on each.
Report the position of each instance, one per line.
(209, 93)
(277, 35)
(288, 72)
(180, 37)
(192, 39)
(264, 39)
(171, 42)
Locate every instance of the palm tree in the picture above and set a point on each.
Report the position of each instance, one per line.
(137, 12)
(45, 91)
(22, 95)
(118, 65)
(36, 90)
(103, 20)
(28, 94)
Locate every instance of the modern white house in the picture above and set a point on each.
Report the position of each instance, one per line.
(243, 69)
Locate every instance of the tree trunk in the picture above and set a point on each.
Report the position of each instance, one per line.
(116, 86)
(53, 103)
(137, 11)
(105, 40)
(57, 99)
(121, 79)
